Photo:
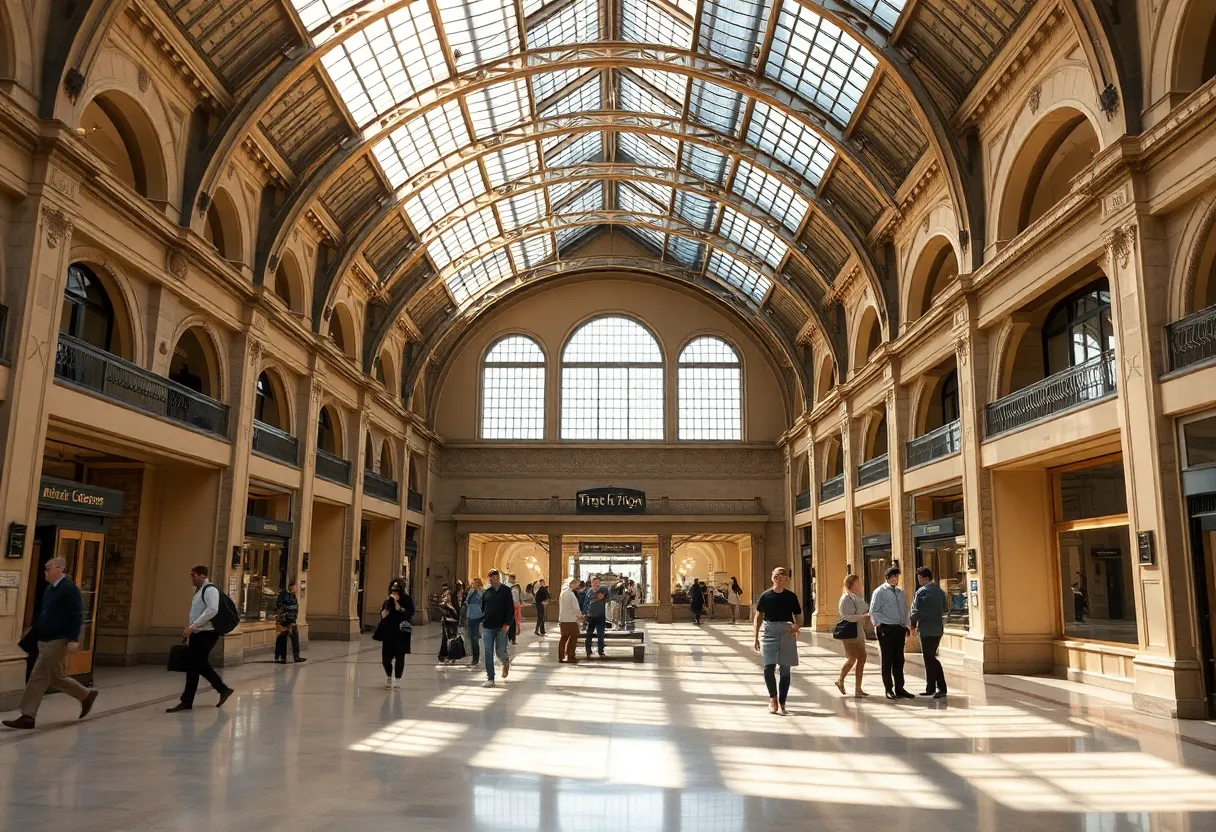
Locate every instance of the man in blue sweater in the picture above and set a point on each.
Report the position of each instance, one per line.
(57, 629)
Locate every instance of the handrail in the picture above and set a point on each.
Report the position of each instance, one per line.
(937, 443)
(1084, 383)
(276, 444)
(82, 365)
(1192, 339)
(414, 501)
(831, 489)
(333, 468)
(873, 470)
(379, 486)
(802, 500)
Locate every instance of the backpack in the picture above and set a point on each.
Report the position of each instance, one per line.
(226, 618)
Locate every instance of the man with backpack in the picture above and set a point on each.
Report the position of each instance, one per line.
(212, 616)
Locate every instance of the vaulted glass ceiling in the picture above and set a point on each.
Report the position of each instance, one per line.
(511, 174)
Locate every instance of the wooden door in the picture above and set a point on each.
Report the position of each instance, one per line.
(82, 551)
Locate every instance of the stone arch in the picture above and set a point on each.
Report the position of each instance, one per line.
(874, 433)
(1193, 286)
(211, 372)
(936, 266)
(802, 480)
(386, 465)
(823, 378)
(282, 399)
(867, 336)
(832, 457)
(613, 313)
(341, 330)
(223, 227)
(385, 370)
(289, 283)
(119, 130)
(129, 342)
(331, 436)
(16, 59)
(1185, 48)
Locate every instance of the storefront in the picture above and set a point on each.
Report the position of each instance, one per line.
(260, 568)
(72, 522)
(1199, 490)
(941, 546)
(875, 560)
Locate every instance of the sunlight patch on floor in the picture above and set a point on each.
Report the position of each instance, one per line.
(411, 738)
(976, 722)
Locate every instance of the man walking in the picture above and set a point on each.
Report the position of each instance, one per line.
(57, 630)
(568, 615)
(288, 609)
(928, 612)
(540, 595)
(498, 614)
(597, 613)
(517, 598)
(201, 638)
(889, 612)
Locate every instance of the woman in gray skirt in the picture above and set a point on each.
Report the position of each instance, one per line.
(777, 621)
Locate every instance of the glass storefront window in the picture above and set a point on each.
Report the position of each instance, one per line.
(262, 577)
(1200, 439)
(948, 561)
(1097, 491)
(1097, 584)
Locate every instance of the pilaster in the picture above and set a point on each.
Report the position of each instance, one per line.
(556, 570)
(663, 577)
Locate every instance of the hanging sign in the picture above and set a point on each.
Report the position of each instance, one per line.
(66, 495)
(610, 500)
(609, 548)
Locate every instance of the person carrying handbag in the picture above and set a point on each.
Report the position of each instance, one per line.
(394, 632)
(850, 631)
(288, 607)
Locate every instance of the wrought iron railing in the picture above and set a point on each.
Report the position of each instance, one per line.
(380, 487)
(1192, 339)
(1093, 380)
(937, 443)
(802, 500)
(276, 444)
(82, 365)
(414, 502)
(873, 470)
(333, 468)
(661, 505)
(831, 489)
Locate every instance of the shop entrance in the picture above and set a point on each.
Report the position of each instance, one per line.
(876, 560)
(262, 568)
(942, 547)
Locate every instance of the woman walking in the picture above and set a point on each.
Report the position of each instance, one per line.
(394, 632)
(288, 613)
(853, 610)
(777, 620)
(734, 597)
(696, 597)
(448, 618)
(472, 615)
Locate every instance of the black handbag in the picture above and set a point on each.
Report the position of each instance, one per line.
(456, 650)
(845, 630)
(177, 658)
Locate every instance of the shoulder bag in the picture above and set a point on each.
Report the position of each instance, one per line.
(845, 630)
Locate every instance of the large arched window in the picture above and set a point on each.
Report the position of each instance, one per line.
(266, 405)
(612, 382)
(513, 390)
(711, 390)
(1079, 328)
(87, 313)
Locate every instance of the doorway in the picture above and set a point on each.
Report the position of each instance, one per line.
(82, 550)
(1203, 552)
(876, 560)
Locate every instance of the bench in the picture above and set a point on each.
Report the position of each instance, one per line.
(635, 639)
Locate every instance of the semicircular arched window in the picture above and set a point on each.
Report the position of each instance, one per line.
(612, 382)
(513, 390)
(87, 313)
(711, 390)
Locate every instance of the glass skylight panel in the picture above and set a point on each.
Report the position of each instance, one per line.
(638, 98)
(588, 199)
(486, 271)
(582, 98)
(521, 209)
(463, 236)
(716, 106)
(315, 12)
(885, 12)
(695, 209)
(387, 62)
(661, 194)
(686, 252)
(545, 84)
(771, 194)
(576, 22)
(649, 236)
(498, 107)
(817, 59)
(563, 189)
(531, 252)
(443, 196)
(586, 147)
(705, 162)
(738, 274)
(752, 236)
(671, 84)
(511, 163)
(790, 141)
(571, 234)
(421, 142)
(645, 22)
(629, 198)
(639, 149)
(733, 29)
(479, 31)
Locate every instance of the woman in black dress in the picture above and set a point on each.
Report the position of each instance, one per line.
(394, 632)
(449, 616)
(697, 596)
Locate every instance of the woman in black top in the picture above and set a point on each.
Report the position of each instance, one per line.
(288, 609)
(697, 598)
(449, 618)
(776, 623)
(394, 632)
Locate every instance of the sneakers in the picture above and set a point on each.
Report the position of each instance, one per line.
(86, 704)
(396, 684)
(388, 682)
(489, 684)
(506, 669)
(22, 722)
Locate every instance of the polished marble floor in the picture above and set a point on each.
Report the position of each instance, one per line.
(683, 742)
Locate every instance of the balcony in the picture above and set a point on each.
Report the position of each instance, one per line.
(872, 471)
(274, 444)
(85, 367)
(413, 501)
(936, 444)
(1076, 386)
(831, 489)
(333, 468)
(1192, 340)
(802, 500)
(379, 487)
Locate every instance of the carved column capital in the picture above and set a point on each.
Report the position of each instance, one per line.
(57, 225)
(1119, 242)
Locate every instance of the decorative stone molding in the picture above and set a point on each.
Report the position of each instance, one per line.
(317, 391)
(73, 84)
(175, 59)
(1017, 65)
(1114, 200)
(260, 158)
(176, 262)
(253, 349)
(144, 80)
(1034, 98)
(57, 225)
(1119, 242)
(319, 227)
(962, 349)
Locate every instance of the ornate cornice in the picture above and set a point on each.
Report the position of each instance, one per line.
(320, 227)
(1015, 67)
(259, 156)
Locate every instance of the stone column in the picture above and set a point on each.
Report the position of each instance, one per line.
(462, 557)
(852, 516)
(306, 435)
(825, 615)
(898, 431)
(663, 580)
(1168, 670)
(350, 626)
(556, 567)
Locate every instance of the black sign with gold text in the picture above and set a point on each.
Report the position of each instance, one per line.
(65, 495)
(610, 500)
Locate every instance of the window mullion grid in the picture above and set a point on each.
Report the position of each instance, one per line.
(766, 44)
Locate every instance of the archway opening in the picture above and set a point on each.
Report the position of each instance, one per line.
(876, 435)
(1195, 52)
(222, 227)
(869, 336)
(1059, 147)
(92, 312)
(386, 459)
(329, 438)
(120, 132)
(936, 269)
(270, 404)
(369, 453)
(341, 331)
(288, 282)
(194, 363)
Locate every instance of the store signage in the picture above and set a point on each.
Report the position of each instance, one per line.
(270, 528)
(945, 527)
(610, 500)
(609, 548)
(16, 541)
(873, 540)
(65, 495)
(1144, 544)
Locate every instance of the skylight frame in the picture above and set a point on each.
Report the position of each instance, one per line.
(420, 142)
(531, 251)
(688, 253)
(575, 22)
(705, 162)
(585, 147)
(789, 141)
(633, 96)
(584, 200)
(696, 209)
(545, 85)
(443, 196)
(511, 163)
(315, 13)
(642, 149)
(463, 236)
(478, 31)
(498, 107)
(885, 13)
(522, 209)
(587, 96)
(717, 106)
(733, 30)
(632, 199)
(751, 235)
(483, 273)
(734, 272)
(642, 21)
(779, 200)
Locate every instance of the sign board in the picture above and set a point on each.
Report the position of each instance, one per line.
(1144, 546)
(875, 540)
(609, 548)
(610, 500)
(16, 541)
(266, 527)
(66, 495)
(10, 580)
(943, 527)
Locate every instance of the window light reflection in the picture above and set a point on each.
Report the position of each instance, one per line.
(976, 722)
(411, 738)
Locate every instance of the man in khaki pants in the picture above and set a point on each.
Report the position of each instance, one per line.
(57, 628)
